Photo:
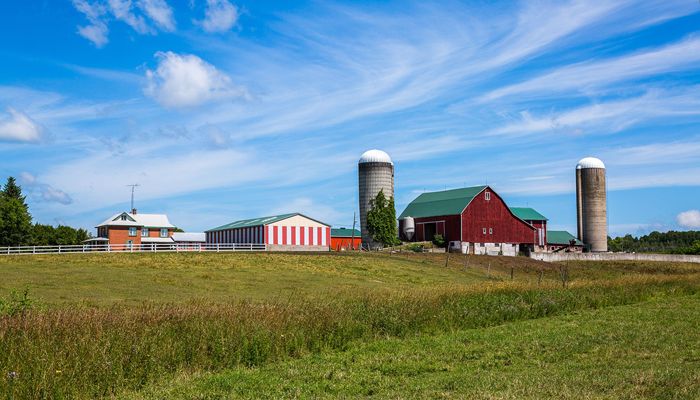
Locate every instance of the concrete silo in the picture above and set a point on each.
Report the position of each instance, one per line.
(376, 172)
(591, 204)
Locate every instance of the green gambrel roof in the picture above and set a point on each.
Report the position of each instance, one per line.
(344, 232)
(561, 237)
(446, 202)
(246, 223)
(527, 214)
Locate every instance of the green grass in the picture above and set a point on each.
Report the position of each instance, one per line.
(108, 279)
(107, 324)
(105, 279)
(642, 351)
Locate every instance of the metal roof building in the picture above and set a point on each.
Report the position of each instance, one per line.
(285, 232)
(476, 216)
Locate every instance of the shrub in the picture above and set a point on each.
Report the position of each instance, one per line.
(439, 240)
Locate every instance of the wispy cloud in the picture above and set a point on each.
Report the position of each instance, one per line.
(689, 219)
(42, 191)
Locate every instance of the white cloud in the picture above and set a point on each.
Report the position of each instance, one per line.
(689, 219)
(159, 12)
(186, 80)
(219, 16)
(17, 126)
(97, 30)
(100, 12)
(42, 191)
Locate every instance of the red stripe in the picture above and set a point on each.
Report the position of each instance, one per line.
(328, 236)
(301, 235)
(319, 233)
(294, 235)
(274, 234)
(311, 236)
(284, 235)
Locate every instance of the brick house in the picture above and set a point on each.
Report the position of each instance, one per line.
(135, 229)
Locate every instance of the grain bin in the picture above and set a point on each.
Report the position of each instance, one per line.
(376, 172)
(591, 204)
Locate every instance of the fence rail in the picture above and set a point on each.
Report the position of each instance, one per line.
(133, 248)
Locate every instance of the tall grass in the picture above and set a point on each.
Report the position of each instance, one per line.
(88, 353)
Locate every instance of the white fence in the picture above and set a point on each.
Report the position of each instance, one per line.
(134, 248)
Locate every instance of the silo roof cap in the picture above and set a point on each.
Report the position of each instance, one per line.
(375, 155)
(590, 162)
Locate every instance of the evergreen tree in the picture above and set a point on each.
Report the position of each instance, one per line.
(15, 220)
(381, 220)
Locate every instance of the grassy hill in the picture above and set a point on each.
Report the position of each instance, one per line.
(140, 324)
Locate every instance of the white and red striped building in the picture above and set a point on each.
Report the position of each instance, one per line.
(287, 232)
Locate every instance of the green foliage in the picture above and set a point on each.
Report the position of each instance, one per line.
(415, 247)
(15, 220)
(678, 242)
(381, 220)
(438, 240)
(16, 303)
(104, 351)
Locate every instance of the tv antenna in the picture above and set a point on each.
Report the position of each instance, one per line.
(133, 186)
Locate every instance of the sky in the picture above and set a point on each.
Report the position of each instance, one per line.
(223, 110)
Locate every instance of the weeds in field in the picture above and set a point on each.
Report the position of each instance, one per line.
(87, 352)
(16, 303)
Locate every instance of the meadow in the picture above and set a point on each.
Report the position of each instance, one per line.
(235, 325)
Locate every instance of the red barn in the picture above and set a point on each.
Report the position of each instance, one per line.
(539, 221)
(477, 217)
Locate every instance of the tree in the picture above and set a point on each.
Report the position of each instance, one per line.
(381, 220)
(15, 220)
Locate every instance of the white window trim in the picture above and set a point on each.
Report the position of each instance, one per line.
(163, 230)
(135, 230)
(487, 196)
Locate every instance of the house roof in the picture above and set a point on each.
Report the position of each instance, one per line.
(145, 220)
(446, 202)
(562, 238)
(345, 233)
(156, 240)
(189, 237)
(527, 214)
(246, 223)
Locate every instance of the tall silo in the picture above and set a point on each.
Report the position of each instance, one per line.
(376, 172)
(591, 204)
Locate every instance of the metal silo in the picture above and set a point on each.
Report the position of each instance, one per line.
(591, 204)
(376, 172)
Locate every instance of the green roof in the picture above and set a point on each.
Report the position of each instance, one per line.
(561, 237)
(527, 214)
(446, 202)
(344, 232)
(245, 223)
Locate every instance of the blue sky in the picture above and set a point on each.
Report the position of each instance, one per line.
(223, 110)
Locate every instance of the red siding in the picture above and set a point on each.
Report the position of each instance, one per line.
(495, 215)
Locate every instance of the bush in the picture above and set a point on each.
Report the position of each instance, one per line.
(16, 304)
(438, 240)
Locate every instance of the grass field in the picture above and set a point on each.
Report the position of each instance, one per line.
(642, 351)
(203, 325)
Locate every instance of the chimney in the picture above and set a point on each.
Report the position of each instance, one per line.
(133, 211)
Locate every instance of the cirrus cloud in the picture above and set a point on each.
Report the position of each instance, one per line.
(185, 80)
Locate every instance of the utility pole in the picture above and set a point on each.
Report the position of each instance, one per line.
(133, 186)
(352, 243)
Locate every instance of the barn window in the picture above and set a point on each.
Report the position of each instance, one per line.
(144, 232)
(164, 232)
(487, 196)
(484, 231)
(490, 231)
(132, 231)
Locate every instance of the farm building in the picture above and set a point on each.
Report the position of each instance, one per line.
(539, 221)
(286, 232)
(134, 229)
(345, 239)
(475, 217)
(563, 241)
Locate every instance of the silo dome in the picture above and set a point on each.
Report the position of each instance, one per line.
(590, 162)
(375, 155)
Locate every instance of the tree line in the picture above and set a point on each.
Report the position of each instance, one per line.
(17, 229)
(674, 242)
